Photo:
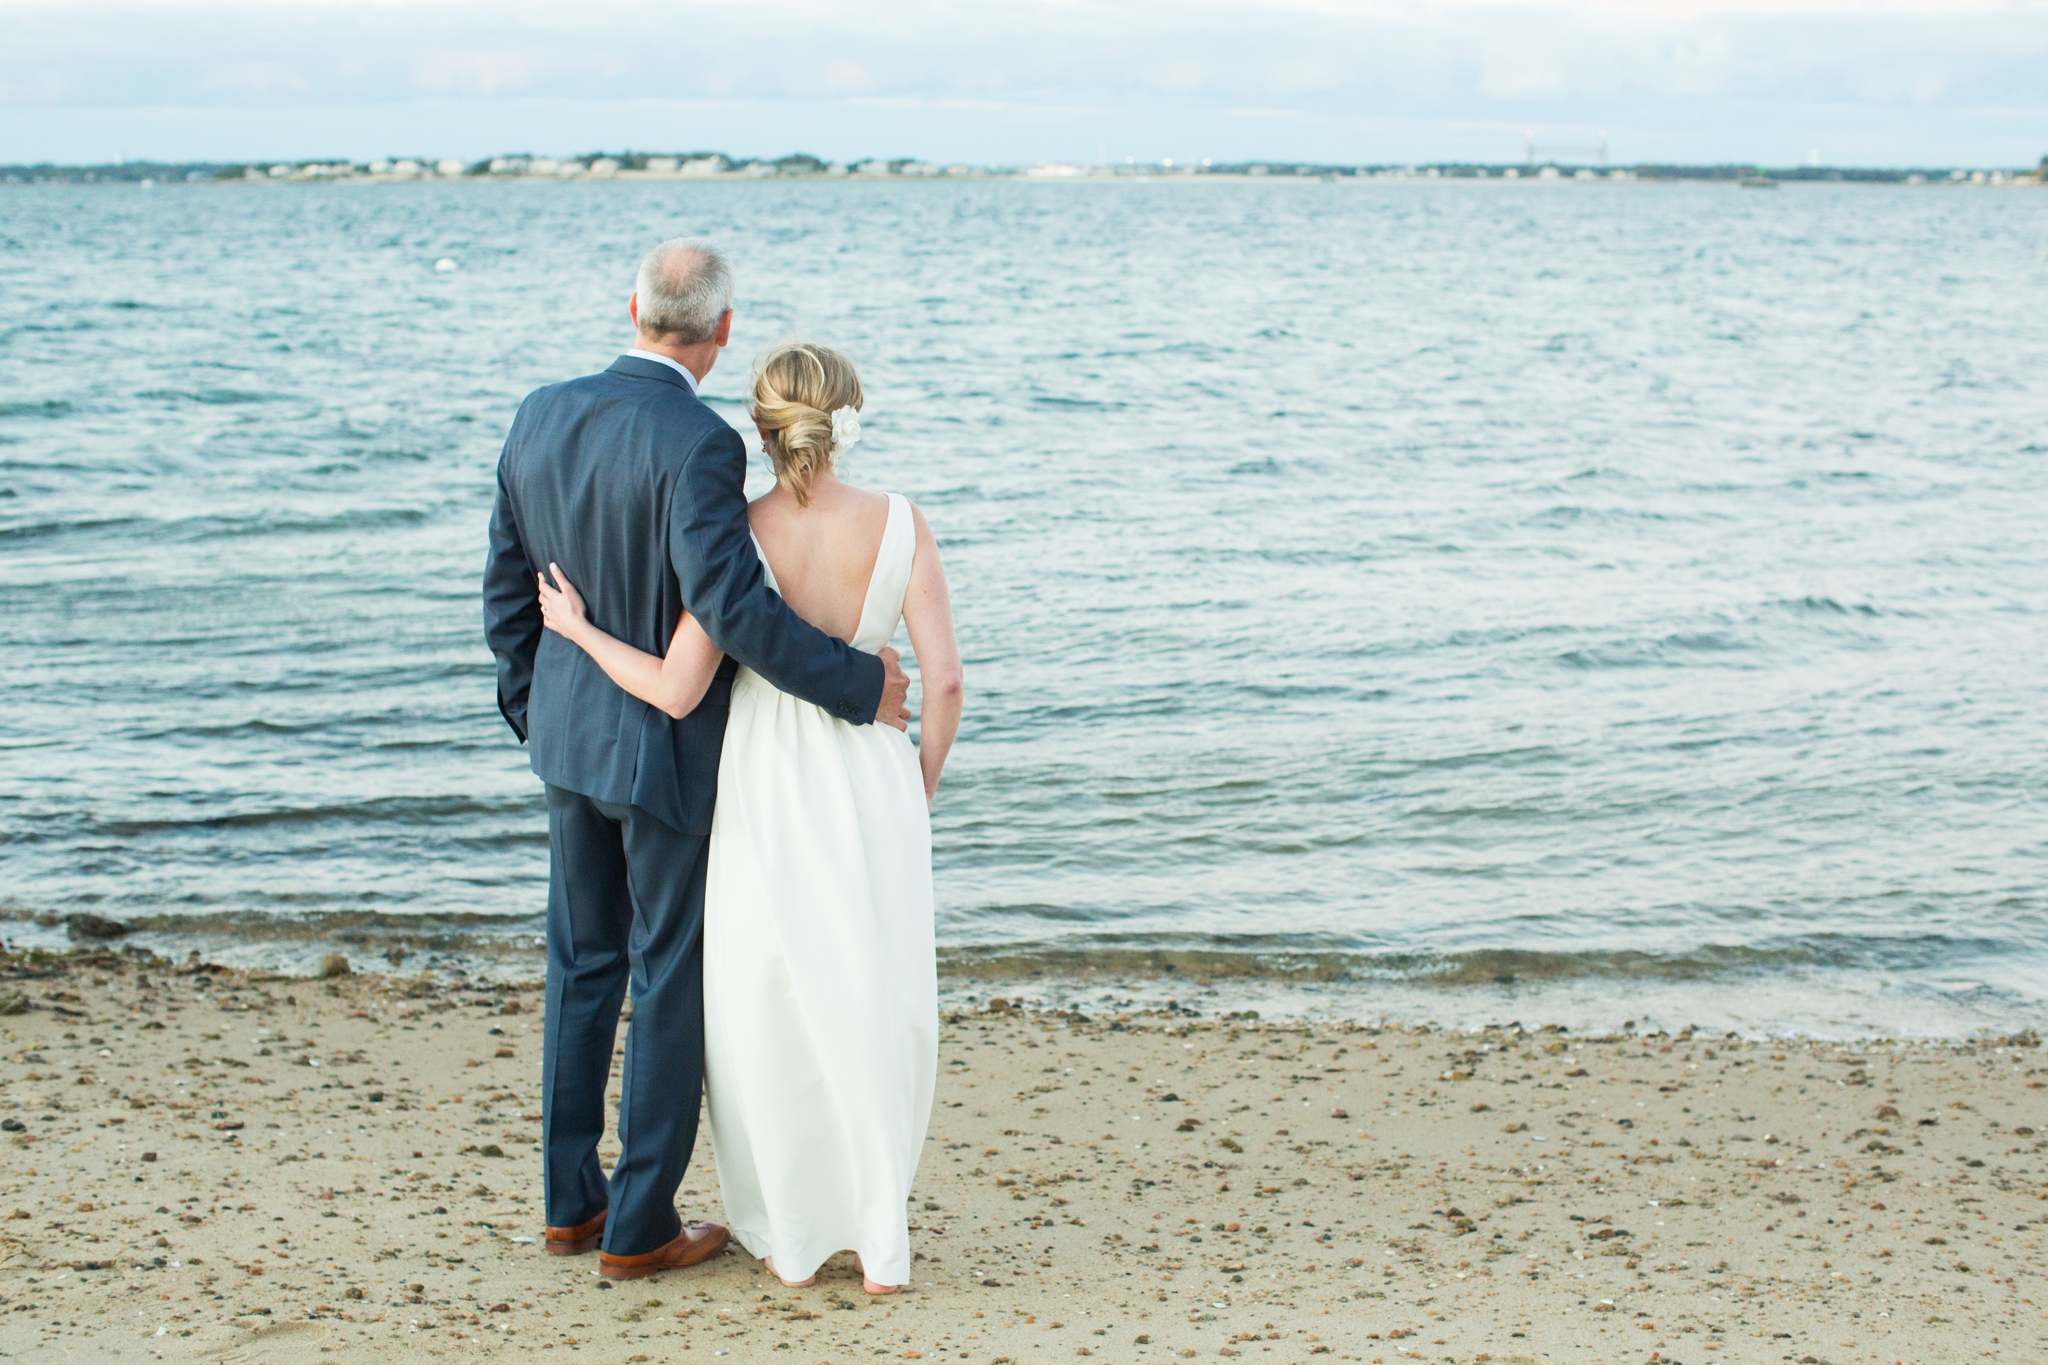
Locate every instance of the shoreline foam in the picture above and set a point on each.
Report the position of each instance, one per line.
(1819, 988)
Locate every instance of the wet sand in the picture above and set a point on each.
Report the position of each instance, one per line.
(210, 1165)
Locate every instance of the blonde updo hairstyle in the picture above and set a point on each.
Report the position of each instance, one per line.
(798, 385)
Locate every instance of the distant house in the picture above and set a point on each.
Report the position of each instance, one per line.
(448, 166)
(662, 165)
(703, 165)
(510, 165)
(604, 167)
(871, 168)
(542, 165)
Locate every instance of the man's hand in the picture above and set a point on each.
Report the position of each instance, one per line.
(895, 707)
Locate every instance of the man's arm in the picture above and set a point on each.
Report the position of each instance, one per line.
(512, 619)
(724, 589)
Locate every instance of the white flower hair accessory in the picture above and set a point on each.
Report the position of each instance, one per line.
(845, 430)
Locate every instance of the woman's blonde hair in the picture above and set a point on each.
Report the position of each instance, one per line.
(798, 385)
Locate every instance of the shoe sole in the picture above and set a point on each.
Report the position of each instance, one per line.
(576, 1248)
(641, 1272)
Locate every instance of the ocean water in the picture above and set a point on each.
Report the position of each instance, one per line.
(1453, 601)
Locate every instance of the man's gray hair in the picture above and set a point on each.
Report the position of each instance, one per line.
(685, 287)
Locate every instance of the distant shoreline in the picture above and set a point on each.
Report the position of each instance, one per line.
(718, 169)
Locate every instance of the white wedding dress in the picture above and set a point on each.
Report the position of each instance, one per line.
(820, 977)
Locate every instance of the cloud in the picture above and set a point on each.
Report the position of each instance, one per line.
(1657, 72)
(471, 73)
(846, 78)
(253, 80)
(1516, 73)
(1179, 75)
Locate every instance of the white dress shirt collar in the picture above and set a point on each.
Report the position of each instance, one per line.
(660, 359)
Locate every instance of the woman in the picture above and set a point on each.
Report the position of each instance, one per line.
(820, 984)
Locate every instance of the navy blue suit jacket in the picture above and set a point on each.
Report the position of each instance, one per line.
(637, 490)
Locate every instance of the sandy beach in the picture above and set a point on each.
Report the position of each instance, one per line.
(208, 1165)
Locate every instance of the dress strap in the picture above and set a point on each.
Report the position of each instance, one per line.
(883, 607)
(767, 569)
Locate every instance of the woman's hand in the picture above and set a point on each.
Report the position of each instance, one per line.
(675, 682)
(561, 609)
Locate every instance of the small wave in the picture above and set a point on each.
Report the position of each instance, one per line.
(1824, 606)
(358, 519)
(49, 407)
(1092, 404)
(265, 924)
(1665, 652)
(1703, 642)
(1300, 958)
(398, 810)
(1588, 660)
(209, 397)
(455, 939)
(38, 530)
(210, 527)
(322, 725)
(1281, 961)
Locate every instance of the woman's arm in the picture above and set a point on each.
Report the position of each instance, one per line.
(929, 613)
(675, 683)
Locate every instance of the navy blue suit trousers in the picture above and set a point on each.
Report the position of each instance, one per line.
(625, 907)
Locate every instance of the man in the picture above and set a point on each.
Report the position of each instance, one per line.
(635, 488)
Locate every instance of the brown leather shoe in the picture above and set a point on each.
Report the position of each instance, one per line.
(698, 1243)
(577, 1240)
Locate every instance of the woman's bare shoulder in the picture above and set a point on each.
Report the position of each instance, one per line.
(865, 499)
(779, 504)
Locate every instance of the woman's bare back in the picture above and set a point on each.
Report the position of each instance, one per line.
(824, 554)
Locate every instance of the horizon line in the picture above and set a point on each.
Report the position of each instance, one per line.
(707, 164)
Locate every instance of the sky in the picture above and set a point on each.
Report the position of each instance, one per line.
(1775, 82)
